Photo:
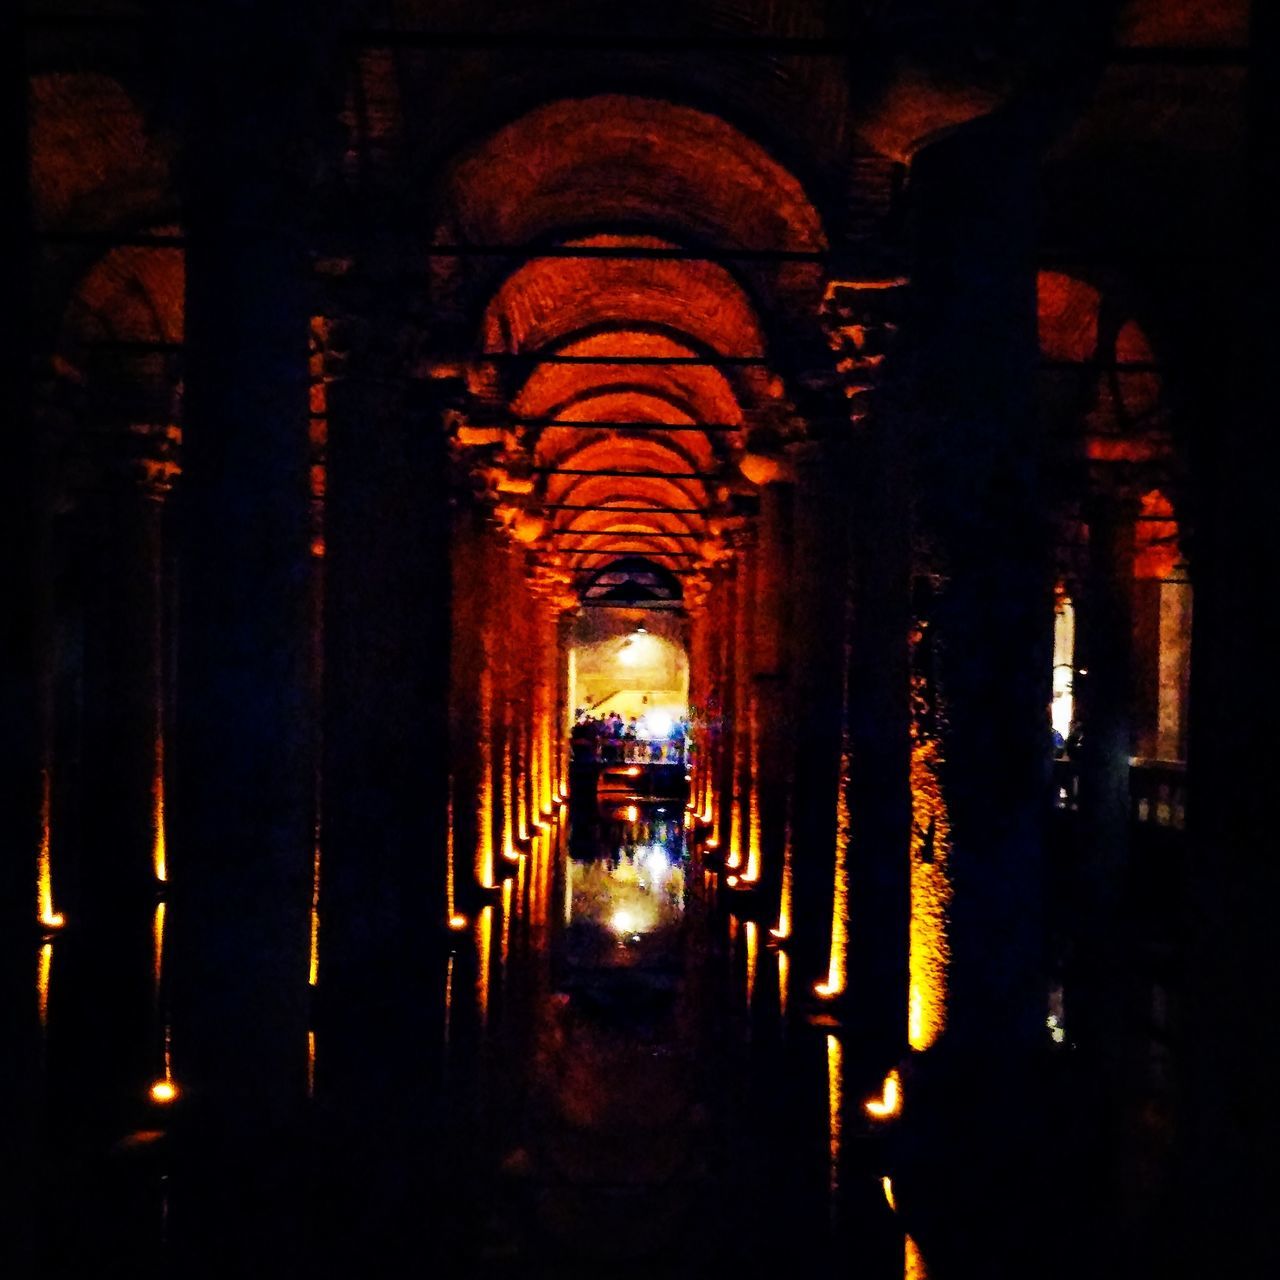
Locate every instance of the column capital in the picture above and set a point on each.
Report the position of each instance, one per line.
(862, 318)
(139, 456)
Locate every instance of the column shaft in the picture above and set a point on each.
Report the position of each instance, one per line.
(386, 675)
(242, 857)
(981, 518)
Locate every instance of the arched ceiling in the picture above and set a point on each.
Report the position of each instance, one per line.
(634, 355)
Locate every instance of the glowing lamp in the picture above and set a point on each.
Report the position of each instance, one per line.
(53, 919)
(889, 1104)
(887, 1184)
(164, 1092)
(457, 922)
(731, 881)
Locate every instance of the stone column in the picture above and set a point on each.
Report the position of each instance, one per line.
(243, 845)
(982, 525)
(745, 742)
(730, 609)
(819, 594)
(386, 674)
(25, 629)
(471, 694)
(1105, 699)
(863, 318)
(564, 696)
(1233, 1106)
(122, 856)
(771, 645)
(123, 680)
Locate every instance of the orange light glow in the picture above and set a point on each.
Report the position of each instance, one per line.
(835, 1104)
(505, 935)
(633, 772)
(448, 998)
(930, 896)
(838, 965)
(164, 1092)
(784, 981)
(311, 1064)
(731, 881)
(455, 920)
(484, 945)
(887, 1184)
(159, 855)
(484, 850)
(889, 1104)
(157, 949)
(782, 930)
(753, 953)
(633, 814)
(313, 967)
(48, 917)
(913, 1267)
(44, 970)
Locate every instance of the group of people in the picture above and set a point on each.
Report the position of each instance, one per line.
(609, 737)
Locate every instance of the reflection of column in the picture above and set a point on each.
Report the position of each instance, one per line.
(385, 681)
(818, 603)
(981, 516)
(773, 613)
(243, 847)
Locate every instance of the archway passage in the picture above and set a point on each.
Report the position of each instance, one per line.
(531, 560)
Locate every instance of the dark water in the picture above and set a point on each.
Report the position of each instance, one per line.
(610, 1086)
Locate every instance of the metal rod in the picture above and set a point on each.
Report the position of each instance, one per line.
(618, 471)
(631, 551)
(624, 533)
(628, 511)
(536, 357)
(598, 423)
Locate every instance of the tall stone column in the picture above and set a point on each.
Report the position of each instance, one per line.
(386, 680)
(471, 702)
(122, 856)
(564, 695)
(982, 524)
(816, 696)
(24, 635)
(863, 318)
(242, 849)
(1233, 1107)
(771, 645)
(123, 716)
(745, 742)
(1105, 699)
(727, 628)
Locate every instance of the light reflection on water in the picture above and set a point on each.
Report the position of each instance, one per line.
(626, 890)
